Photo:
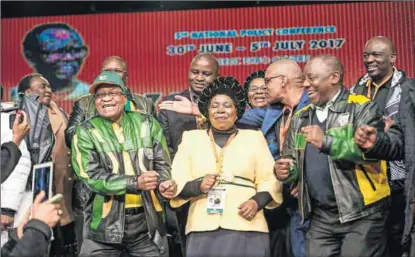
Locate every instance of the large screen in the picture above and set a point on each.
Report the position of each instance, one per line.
(158, 46)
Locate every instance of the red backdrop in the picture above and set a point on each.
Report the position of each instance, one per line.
(142, 39)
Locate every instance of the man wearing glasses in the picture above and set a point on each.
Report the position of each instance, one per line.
(286, 95)
(84, 108)
(343, 188)
(57, 51)
(123, 157)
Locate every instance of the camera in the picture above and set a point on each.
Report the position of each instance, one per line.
(17, 107)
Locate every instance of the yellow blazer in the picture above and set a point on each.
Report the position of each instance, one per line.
(250, 162)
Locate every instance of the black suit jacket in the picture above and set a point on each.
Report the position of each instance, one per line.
(407, 120)
(174, 124)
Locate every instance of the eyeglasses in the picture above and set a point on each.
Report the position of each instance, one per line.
(267, 80)
(113, 70)
(72, 53)
(257, 89)
(111, 95)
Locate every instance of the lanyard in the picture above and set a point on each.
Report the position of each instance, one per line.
(377, 86)
(284, 126)
(219, 157)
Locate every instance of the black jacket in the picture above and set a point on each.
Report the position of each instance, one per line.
(84, 108)
(407, 120)
(97, 158)
(34, 243)
(360, 185)
(174, 124)
(10, 155)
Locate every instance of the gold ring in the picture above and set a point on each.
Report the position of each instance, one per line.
(60, 212)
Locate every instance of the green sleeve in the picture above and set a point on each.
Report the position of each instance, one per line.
(339, 142)
(87, 166)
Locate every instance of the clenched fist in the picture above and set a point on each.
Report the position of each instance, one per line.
(365, 136)
(314, 135)
(168, 189)
(281, 168)
(208, 182)
(148, 180)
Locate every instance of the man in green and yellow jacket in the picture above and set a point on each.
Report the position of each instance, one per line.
(83, 109)
(123, 158)
(342, 188)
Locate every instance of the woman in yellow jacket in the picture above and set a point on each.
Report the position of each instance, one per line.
(227, 175)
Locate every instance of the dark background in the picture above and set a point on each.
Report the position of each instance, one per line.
(16, 9)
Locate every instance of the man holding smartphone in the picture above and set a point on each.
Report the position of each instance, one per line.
(32, 237)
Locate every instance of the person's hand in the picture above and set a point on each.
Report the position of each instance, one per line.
(208, 182)
(281, 168)
(47, 212)
(388, 122)
(6, 222)
(147, 180)
(314, 135)
(168, 189)
(20, 130)
(294, 192)
(22, 223)
(248, 209)
(180, 105)
(365, 136)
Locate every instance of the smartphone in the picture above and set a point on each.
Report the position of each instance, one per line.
(42, 180)
(12, 118)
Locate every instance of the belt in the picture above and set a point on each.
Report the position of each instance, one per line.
(134, 211)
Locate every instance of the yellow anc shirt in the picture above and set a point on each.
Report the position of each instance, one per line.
(132, 200)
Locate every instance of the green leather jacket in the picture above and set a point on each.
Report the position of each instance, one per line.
(359, 179)
(98, 162)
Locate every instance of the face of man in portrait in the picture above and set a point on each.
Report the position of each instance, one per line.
(61, 53)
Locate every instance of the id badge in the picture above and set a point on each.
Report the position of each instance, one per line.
(216, 200)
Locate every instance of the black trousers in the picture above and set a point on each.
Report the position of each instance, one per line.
(411, 248)
(395, 224)
(65, 244)
(360, 238)
(135, 243)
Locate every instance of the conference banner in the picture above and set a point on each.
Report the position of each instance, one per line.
(159, 46)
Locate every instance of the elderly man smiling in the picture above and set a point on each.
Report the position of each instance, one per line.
(122, 156)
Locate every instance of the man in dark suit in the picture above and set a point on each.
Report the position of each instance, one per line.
(204, 69)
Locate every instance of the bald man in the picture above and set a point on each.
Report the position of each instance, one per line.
(203, 70)
(383, 84)
(343, 190)
(284, 81)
